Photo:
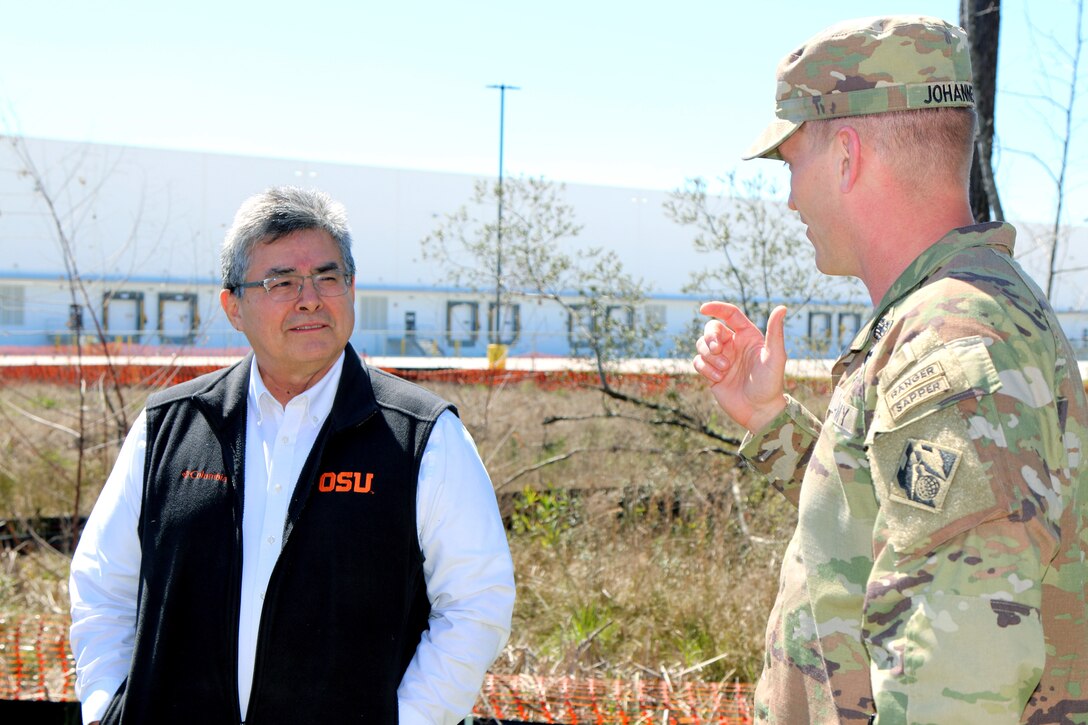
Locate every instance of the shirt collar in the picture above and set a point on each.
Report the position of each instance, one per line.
(998, 235)
(316, 401)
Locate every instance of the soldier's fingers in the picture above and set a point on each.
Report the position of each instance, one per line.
(776, 331)
(729, 314)
(715, 336)
(707, 370)
(712, 349)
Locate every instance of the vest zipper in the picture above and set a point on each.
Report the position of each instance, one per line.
(236, 603)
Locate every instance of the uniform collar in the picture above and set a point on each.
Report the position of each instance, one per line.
(997, 235)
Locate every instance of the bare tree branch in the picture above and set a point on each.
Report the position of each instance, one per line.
(1066, 139)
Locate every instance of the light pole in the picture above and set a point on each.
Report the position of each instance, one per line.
(503, 88)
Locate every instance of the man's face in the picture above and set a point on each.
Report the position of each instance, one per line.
(813, 194)
(300, 337)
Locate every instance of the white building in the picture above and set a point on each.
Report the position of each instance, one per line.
(145, 225)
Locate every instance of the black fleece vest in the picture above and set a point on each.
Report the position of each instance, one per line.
(346, 603)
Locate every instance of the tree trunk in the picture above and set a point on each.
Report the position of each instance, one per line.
(982, 21)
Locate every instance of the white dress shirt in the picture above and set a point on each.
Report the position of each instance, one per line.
(467, 566)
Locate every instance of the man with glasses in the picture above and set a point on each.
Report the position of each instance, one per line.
(297, 538)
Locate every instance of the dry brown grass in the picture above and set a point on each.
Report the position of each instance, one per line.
(629, 554)
(33, 580)
(627, 539)
(40, 437)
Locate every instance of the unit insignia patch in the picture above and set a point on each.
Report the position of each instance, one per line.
(925, 474)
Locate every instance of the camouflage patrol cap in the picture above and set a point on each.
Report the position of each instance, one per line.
(872, 65)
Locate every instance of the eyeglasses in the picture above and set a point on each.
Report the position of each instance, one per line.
(286, 287)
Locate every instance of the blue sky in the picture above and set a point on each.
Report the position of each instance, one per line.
(633, 93)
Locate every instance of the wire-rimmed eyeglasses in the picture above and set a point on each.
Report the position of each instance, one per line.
(285, 287)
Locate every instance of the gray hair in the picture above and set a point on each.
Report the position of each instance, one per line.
(275, 213)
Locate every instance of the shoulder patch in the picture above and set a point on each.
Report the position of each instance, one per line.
(924, 474)
(931, 482)
(915, 388)
(919, 380)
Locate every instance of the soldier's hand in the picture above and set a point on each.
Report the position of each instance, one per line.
(746, 370)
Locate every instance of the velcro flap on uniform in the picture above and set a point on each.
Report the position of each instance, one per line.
(926, 470)
(931, 483)
(927, 380)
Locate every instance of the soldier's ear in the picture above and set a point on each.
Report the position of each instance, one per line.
(847, 147)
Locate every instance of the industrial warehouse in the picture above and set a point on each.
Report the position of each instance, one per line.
(140, 230)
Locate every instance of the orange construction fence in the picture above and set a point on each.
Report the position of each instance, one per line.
(36, 664)
(161, 375)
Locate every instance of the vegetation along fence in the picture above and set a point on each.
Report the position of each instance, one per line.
(36, 664)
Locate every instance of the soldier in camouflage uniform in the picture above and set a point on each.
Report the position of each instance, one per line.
(937, 572)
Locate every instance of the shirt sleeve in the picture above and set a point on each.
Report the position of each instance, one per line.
(964, 537)
(469, 576)
(104, 580)
(781, 449)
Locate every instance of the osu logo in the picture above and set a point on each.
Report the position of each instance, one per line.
(345, 481)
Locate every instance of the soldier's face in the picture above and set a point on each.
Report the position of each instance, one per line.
(813, 188)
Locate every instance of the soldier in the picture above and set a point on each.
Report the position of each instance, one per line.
(937, 570)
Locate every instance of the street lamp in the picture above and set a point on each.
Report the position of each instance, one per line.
(502, 88)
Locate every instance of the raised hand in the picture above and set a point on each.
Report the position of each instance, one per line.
(746, 370)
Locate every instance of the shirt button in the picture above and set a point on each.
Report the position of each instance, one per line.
(271, 539)
(285, 439)
(277, 488)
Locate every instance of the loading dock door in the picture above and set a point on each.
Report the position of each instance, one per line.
(462, 323)
(123, 315)
(177, 317)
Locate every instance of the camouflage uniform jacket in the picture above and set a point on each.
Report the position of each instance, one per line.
(937, 572)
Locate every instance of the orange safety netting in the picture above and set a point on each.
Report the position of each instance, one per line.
(151, 375)
(36, 664)
(157, 376)
(576, 701)
(35, 659)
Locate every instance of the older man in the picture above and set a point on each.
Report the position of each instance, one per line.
(937, 571)
(297, 538)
